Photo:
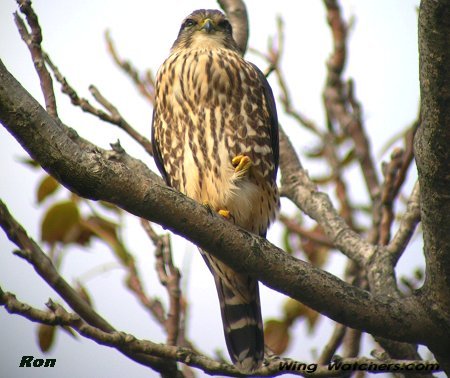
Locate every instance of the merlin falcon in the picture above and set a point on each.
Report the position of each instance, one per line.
(215, 139)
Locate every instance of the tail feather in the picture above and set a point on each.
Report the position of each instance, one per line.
(241, 315)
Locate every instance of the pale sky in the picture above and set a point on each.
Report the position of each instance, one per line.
(383, 62)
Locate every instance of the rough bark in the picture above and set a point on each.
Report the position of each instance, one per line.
(432, 151)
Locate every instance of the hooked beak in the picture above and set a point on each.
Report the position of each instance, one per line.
(208, 25)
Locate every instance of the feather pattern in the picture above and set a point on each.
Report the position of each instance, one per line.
(211, 106)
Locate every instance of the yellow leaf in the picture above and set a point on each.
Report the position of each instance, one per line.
(59, 222)
(47, 186)
(46, 336)
(276, 335)
(316, 252)
(311, 317)
(293, 309)
(107, 232)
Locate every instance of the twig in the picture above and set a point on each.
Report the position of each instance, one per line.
(338, 103)
(118, 120)
(33, 41)
(314, 236)
(113, 117)
(134, 284)
(330, 153)
(169, 277)
(145, 83)
(408, 155)
(333, 344)
(408, 224)
(352, 342)
(403, 165)
(388, 194)
(273, 57)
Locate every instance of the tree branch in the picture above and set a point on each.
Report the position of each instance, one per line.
(297, 186)
(33, 41)
(338, 103)
(117, 178)
(408, 224)
(432, 151)
(237, 14)
(31, 252)
(58, 316)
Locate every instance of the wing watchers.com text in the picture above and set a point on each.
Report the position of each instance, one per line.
(357, 366)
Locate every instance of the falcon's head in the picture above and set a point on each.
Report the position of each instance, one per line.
(205, 28)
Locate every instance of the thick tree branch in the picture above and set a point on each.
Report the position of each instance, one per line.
(432, 151)
(117, 178)
(297, 186)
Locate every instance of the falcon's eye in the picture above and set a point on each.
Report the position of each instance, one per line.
(225, 24)
(188, 23)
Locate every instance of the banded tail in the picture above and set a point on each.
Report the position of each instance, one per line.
(241, 315)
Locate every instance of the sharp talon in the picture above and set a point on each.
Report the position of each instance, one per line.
(208, 206)
(241, 164)
(225, 213)
(236, 160)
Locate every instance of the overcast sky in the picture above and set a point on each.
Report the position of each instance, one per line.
(382, 60)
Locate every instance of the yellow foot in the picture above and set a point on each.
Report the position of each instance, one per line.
(225, 213)
(241, 164)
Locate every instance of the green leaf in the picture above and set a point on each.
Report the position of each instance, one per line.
(348, 158)
(29, 161)
(59, 222)
(110, 206)
(47, 187)
(287, 242)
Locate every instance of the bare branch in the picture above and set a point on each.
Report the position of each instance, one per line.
(333, 344)
(352, 342)
(293, 226)
(113, 117)
(123, 341)
(169, 276)
(388, 194)
(338, 103)
(297, 186)
(33, 41)
(407, 226)
(153, 305)
(145, 83)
